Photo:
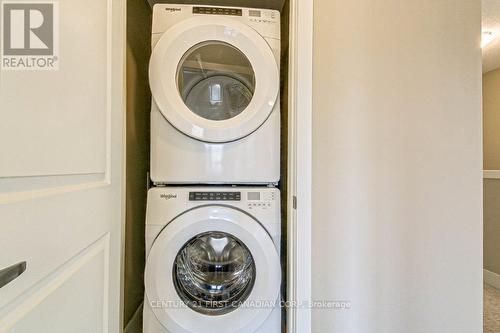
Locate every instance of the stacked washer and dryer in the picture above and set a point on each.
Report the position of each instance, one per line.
(213, 224)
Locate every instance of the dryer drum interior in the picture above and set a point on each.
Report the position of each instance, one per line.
(216, 80)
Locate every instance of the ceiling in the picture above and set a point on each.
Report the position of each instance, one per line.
(491, 22)
(270, 4)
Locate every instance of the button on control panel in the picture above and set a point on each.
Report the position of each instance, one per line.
(214, 196)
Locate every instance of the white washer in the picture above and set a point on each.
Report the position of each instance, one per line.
(213, 262)
(214, 77)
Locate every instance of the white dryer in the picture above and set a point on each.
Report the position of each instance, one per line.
(213, 262)
(214, 77)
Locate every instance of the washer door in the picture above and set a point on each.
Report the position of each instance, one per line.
(213, 268)
(214, 79)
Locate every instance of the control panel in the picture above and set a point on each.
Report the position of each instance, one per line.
(253, 15)
(215, 196)
(262, 16)
(248, 199)
(217, 11)
(260, 200)
(265, 21)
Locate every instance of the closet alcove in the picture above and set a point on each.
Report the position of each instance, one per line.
(139, 17)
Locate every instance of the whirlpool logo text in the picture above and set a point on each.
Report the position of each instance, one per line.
(172, 9)
(168, 196)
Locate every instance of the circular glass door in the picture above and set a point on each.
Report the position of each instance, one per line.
(215, 80)
(213, 273)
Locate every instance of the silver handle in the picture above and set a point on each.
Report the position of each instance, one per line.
(11, 273)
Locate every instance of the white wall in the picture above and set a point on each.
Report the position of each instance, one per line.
(397, 225)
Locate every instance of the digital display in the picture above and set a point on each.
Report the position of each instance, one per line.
(217, 11)
(253, 196)
(214, 196)
(254, 13)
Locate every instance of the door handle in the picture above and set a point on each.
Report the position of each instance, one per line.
(11, 273)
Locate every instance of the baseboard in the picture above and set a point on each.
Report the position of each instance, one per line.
(135, 323)
(491, 278)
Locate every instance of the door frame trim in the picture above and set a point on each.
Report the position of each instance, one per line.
(300, 165)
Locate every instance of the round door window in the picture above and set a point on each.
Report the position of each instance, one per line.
(213, 273)
(216, 80)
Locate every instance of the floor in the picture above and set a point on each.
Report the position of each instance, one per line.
(491, 309)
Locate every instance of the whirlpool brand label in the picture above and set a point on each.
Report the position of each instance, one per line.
(172, 9)
(168, 196)
(30, 35)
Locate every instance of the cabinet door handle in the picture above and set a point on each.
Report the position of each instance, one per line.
(11, 273)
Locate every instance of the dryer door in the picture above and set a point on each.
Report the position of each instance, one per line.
(213, 268)
(214, 79)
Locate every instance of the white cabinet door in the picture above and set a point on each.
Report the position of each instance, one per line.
(61, 176)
